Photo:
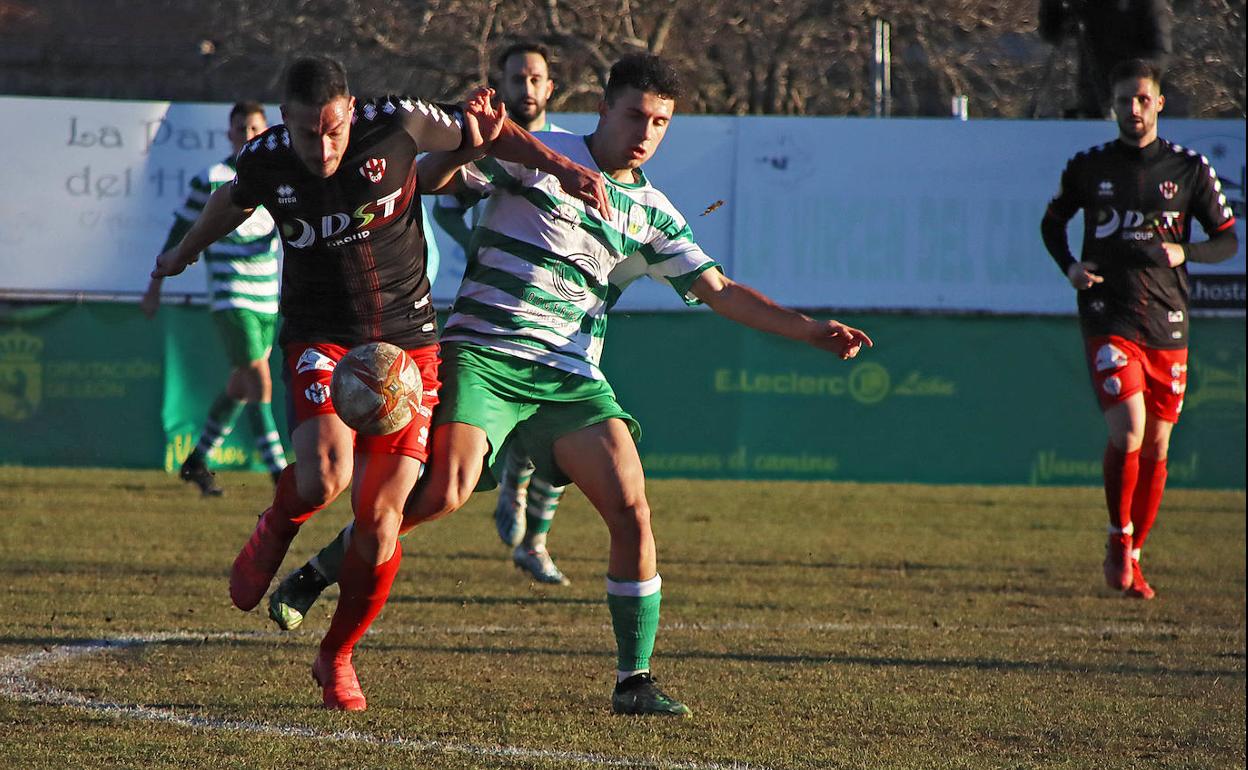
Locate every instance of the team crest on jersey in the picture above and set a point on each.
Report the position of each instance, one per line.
(1105, 189)
(636, 220)
(286, 195)
(313, 359)
(1175, 316)
(1110, 357)
(567, 214)
(317, 393)
(373, 169)
(1169, 189)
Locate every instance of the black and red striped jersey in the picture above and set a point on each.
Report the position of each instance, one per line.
(1133, 200)
(354, 246)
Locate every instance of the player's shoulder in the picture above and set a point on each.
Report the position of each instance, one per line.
(1185, 155)
(265, 148)
(1097, 153)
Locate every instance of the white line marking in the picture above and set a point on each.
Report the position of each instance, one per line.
(15, 684)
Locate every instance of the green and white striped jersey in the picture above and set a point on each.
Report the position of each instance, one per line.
(543, 271)
(243, 266)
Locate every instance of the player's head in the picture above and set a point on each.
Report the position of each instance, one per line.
(247, 121)
(635, 111)
(526, 86)
(317, 111)
(1136, 89)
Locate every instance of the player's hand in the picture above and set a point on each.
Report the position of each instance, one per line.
(836, 337)
(151, 299)
(483, 119)
(584, 185)
(170, 263)
(1175, 253)
(1082, 275)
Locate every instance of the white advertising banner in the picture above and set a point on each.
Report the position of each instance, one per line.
(816, 212)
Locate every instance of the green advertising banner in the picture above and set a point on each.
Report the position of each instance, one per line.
(940, 399)
(975, 400)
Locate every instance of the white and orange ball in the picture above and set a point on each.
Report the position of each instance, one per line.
(376, 388)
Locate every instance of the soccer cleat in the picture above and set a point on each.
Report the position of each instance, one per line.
(538, 564)
(1118, 561)
(257, 563)
(640, 695)
(340, 688)
(509, 516)
(1139, 588)
(294, 596)
(196, 472)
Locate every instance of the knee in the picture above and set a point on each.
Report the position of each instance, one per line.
(376, 534)
(321, 483)
(630, 519)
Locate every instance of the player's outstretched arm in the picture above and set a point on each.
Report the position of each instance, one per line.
(218, 219)
(750, 307)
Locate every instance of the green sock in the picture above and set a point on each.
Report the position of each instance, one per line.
(634, 609)
(328, 561)
(221, 417)
(268, 441)
(539, 510)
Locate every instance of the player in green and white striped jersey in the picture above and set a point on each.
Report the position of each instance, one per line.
(526, 504)
(243, 297)
(522, 345)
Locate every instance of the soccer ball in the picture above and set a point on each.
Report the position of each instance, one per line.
(376, 388)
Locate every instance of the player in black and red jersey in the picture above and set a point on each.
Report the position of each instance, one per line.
(340, 179)
(1139, 195)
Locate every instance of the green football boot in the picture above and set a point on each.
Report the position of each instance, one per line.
(294, 596)
(640, 695)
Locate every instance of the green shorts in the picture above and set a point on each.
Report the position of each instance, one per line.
(248, 335)
(518, 401)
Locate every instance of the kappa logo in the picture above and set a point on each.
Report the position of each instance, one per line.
(312, 360)
(1105, 189)
(1110, 357)
(21, 375)
(317, 393)
(1168, 189)
(286, 195)
(373, 169)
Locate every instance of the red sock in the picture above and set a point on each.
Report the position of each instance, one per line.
(1122, 469)
(288, 506)
(1147, 499)
(364, 590)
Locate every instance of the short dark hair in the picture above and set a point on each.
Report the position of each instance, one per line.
(315, 80)
(647, 73)
(1135, 69)
(245, 109)
(524, 46)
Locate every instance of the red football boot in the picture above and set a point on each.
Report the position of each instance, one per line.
(1118, 561)
(1139, 588)
(340, 689)
(258, 562)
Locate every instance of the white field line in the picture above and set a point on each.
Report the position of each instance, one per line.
(14, 683)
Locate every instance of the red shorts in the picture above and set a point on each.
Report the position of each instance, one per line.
(309, 370)
(1121, 368)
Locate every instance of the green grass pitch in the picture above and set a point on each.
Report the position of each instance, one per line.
(808, 625)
